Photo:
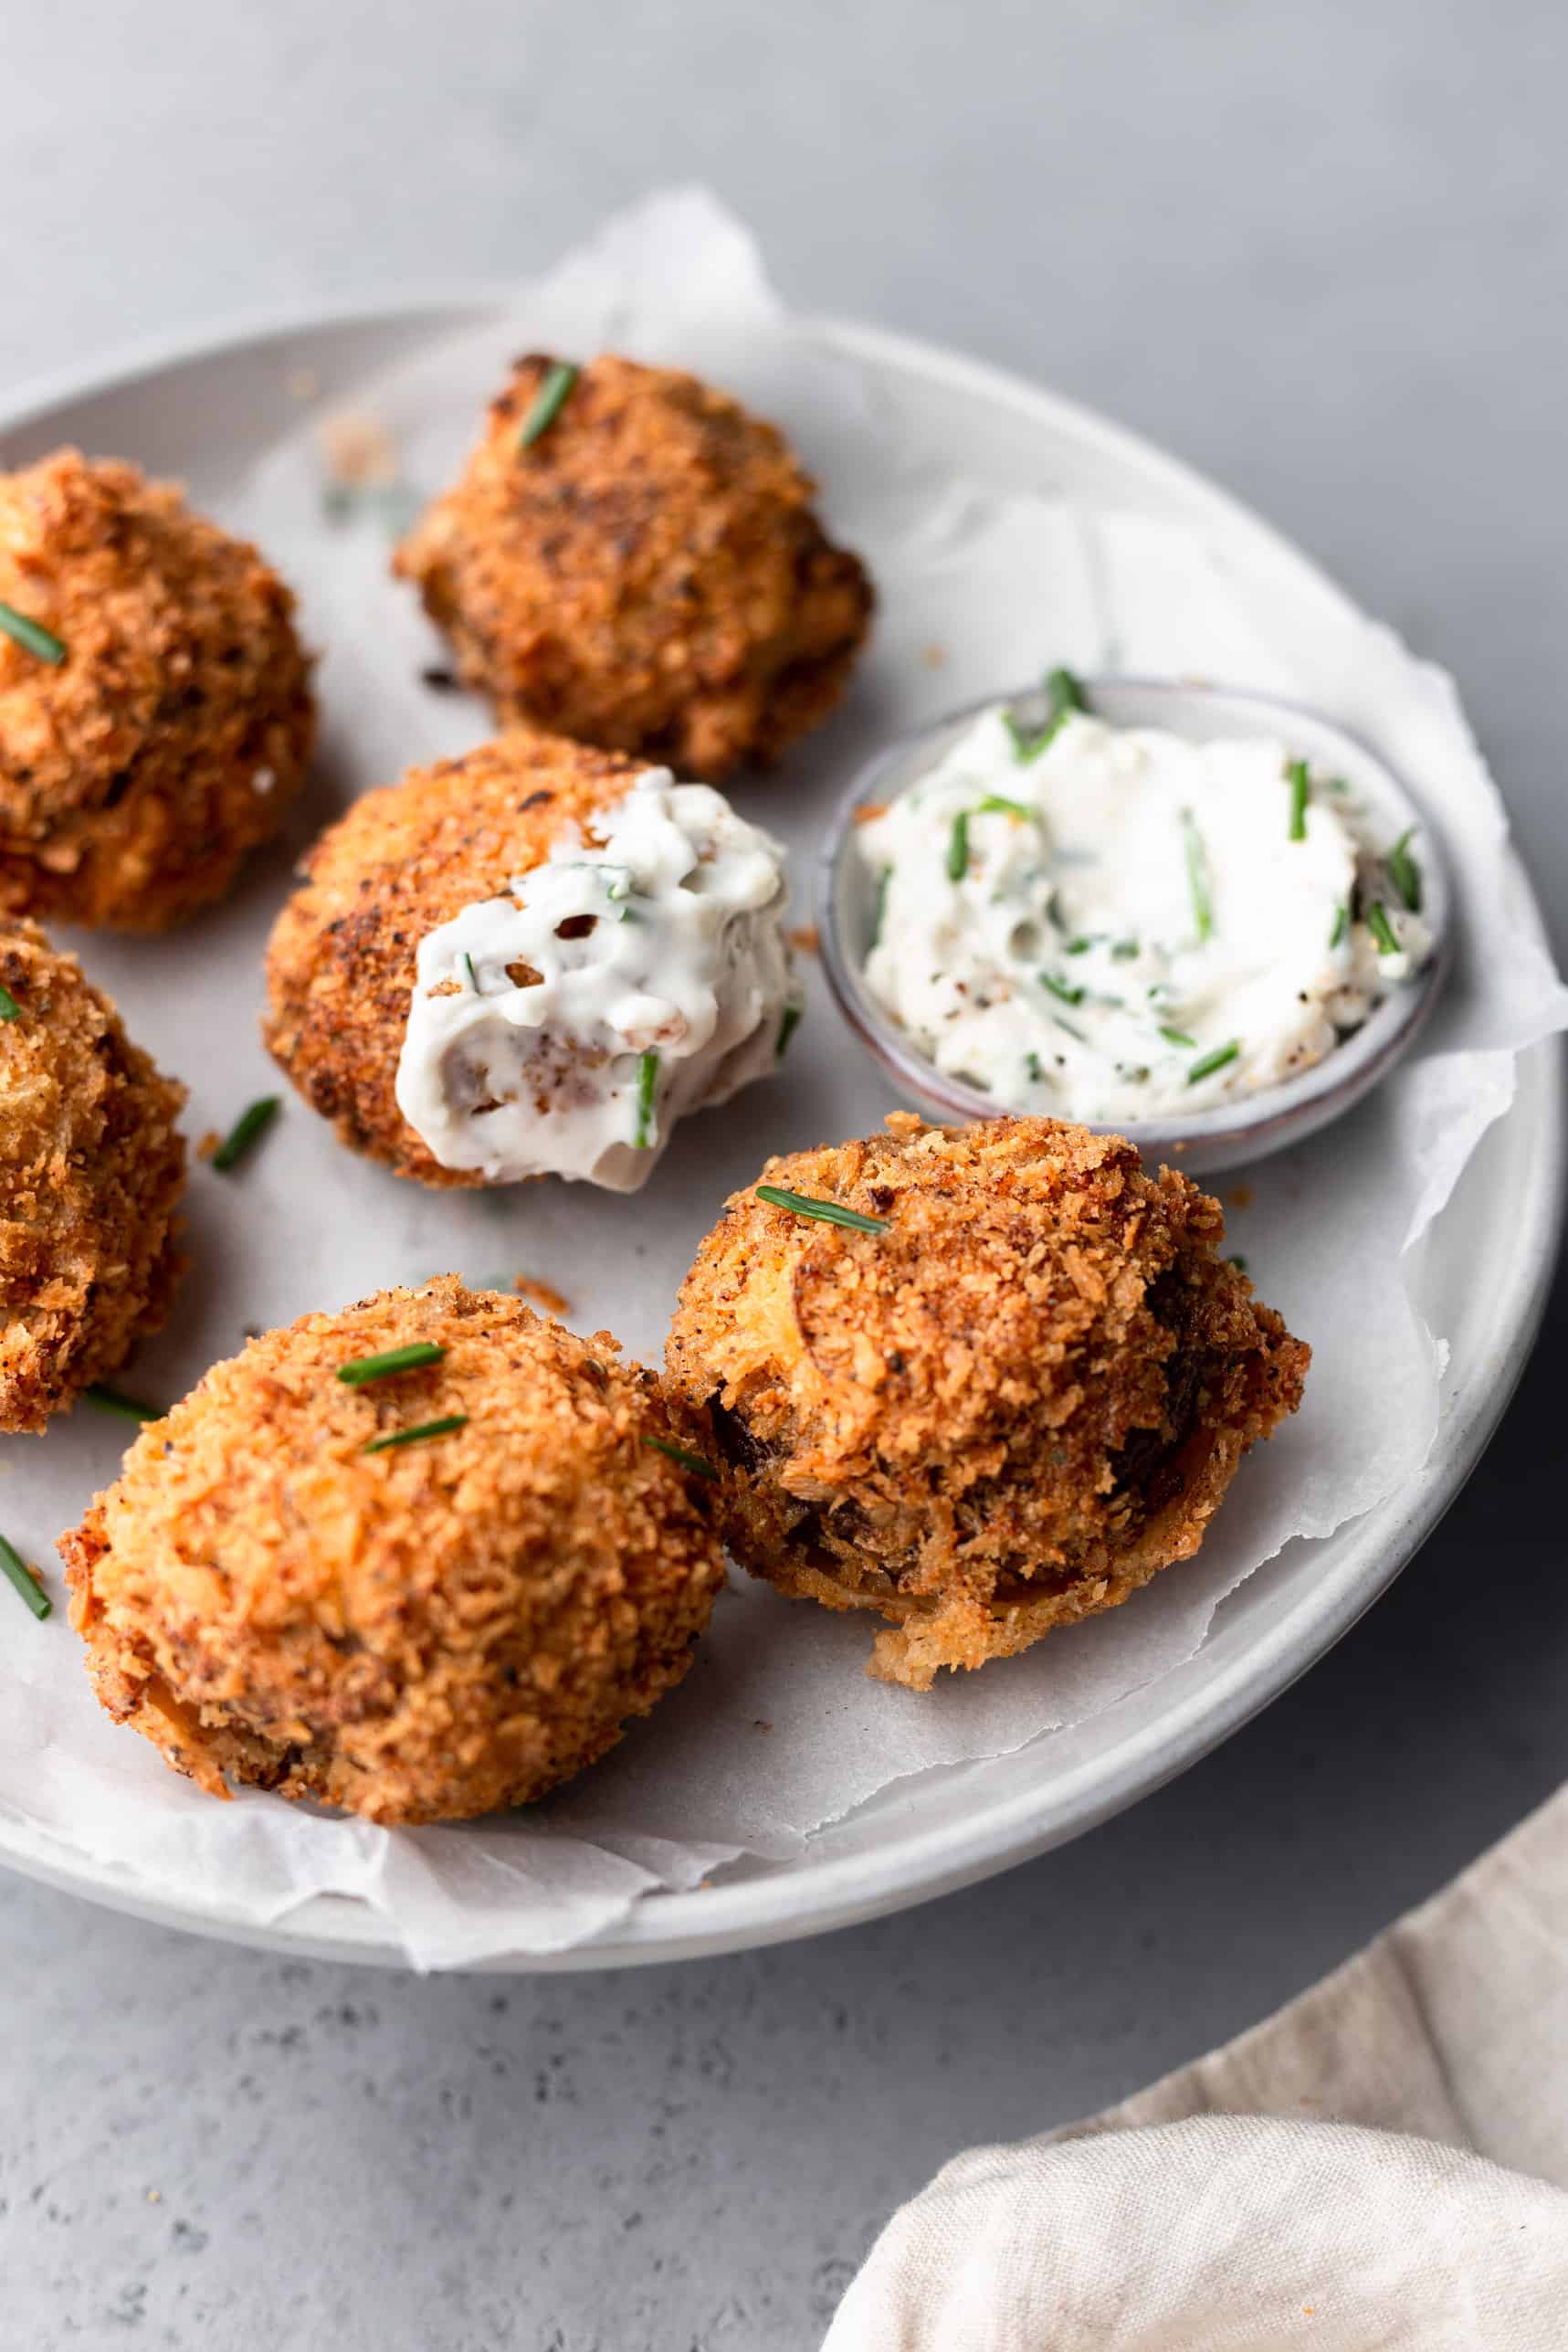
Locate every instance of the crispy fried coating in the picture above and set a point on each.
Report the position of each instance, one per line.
(1004, 1413)
(649, 575)
(420, 1634)
(135, 774)
(91, 1168)
(341, 963)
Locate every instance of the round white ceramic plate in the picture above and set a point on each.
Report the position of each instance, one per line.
(1483, 1272)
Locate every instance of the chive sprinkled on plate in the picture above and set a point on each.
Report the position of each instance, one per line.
(880, 913)
(1032, 1065)
(648, 1082)
(552, 396)
(417, 1435)
(1078, 946)
(1063, 989)
(1404, 872)
(31, 635)
(10, 1011)
(996, 804)
(15, 1570)
(1342, 924)
(113, 1401)
(678, 1454)
(827, 1212)
(958, 848)
(1205, 1066)
(468, 968)
(1381, 928)
(362, 1369)
(787, 1028)
(1124, 951)
(245, 1132)
(1066, 696)
(1176, 1037)
(1198, 875)
(1296, 777)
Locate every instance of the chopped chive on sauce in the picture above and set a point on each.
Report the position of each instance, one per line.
(1404, 872)
(1032, 1065)
(996, 804)
(880, 914)
(828, 1212)
(1197, 876)
(110, 1400)
(1124, 951)
(1062, 989)
(1381, 928)
(647, 1084)
(678, 1454)
(1296, 777)
(1066, 696)
(365, 1368)
(958, 848)
(1070, 1028)
(1176, 1037)
(787, 1028)
(30, 636)
(245, 1132)
(1209, 1062)
(10, 1011)
(1342, 924)
(548, 402)
(468, 968)
(1078, 946)
(417, 1435)
(1239, 1262)
(15, 1570)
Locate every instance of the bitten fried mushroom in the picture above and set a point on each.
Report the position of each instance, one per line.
(91, 1168)
(419, 1596)
(631, 558)
(156, 712)
(1002, 1404)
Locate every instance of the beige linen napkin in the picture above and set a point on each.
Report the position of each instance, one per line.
(1244, 2201)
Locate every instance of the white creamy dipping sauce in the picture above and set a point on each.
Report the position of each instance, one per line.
(1112, 923)
(564, 1028)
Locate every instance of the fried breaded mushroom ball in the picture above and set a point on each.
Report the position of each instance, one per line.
(421, 1598)
(160, 727)
(91, 1168)
(1003, 1410)
(646, 572)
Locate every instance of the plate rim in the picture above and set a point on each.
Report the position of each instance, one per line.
(814, 1897)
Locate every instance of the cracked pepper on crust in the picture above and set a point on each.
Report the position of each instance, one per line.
(1005, 1412)
(91, 1168)
(420, 1634)
(137, 771)
(342, 964)
(648, 574)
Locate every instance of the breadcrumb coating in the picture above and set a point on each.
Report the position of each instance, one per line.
(91, 1168)
(649, 575)
(1005, 1412)
(421, 1634)
(405, 860)
(135, 774)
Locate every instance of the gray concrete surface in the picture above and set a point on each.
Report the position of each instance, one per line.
(1321, 252)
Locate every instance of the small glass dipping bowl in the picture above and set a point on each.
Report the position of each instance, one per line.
(1231, 1134)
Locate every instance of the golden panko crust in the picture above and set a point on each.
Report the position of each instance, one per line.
(422, 1634)
(135, 774)
(1004, 1413)
(649, 575)
(91, 1168)
(405, 860)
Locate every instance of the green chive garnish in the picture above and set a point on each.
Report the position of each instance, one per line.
(1028, 747)
(1239, 1262)
(1065, 694)
(30, 637)
(879, 916)
(1067, 1026)
(678, 1454)
(1197, 876)
(1210, 1062)
(548, 402)
(1404, 872)
(1032, 1065)
(829, 1212)
(1296, 777)
(110, 1400)
(247, 1131)
(1060, 988)
(10, 1011)
(416, 1435)
(15, 1568)
(996, 804)
(468, 968)
(958, 848)
(1381, 930)
(1125, 951)
(1080, 946)
(647, 1081)
(363, 1368)
(1342, 924)
(787, 1029)
(1176, 1037)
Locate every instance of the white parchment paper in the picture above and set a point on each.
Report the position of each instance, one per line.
(777, 1731)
